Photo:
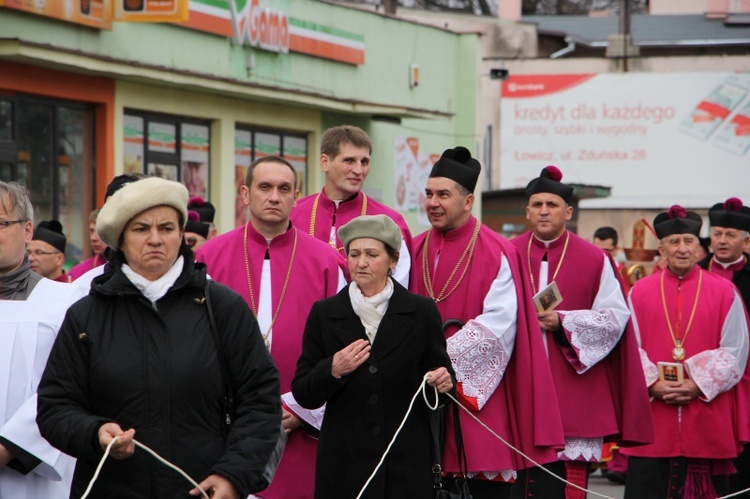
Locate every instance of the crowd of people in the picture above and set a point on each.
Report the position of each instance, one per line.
(279, 359)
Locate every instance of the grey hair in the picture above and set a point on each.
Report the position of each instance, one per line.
(14, 197)
(663, 240)
(743, 233)
(462, 190)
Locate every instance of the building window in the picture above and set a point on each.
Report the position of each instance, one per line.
(168, 147)
(48, 146)
(252, 143)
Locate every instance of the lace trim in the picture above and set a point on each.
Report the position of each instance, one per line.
(313, 417)
(593, 334)
(714, 371)
(650, 371)
(493, 476)
(582, 449)
(479, 359)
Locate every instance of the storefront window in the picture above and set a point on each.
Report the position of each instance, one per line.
(6, 172)
(251, 144)
(6, 120)
(48, 146)
(168, 147)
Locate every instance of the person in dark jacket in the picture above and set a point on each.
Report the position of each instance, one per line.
(364, 354)
(137, 359)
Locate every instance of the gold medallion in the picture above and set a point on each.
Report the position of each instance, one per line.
(678, 353)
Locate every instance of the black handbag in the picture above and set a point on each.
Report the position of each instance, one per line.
(229, 405)
(460, 489)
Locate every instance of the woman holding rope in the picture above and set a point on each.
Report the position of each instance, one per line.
(138, 359)
(365, 352)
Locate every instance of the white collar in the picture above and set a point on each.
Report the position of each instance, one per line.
(727, 265)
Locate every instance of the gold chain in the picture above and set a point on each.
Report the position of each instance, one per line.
(363, 211)
(559, 264)
(426, 267)
(283, 289)
(678, 353)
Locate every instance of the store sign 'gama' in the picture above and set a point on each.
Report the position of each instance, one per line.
(260, 27)
(248, 23)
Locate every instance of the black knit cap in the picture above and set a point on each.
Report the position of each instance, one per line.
(51, 232)
(677, 220)
(730, 214)
(203, 208)
(195, 225)
(457, 164)
(549, 181)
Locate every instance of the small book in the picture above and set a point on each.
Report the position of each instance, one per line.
(670, 371)
(548, 298)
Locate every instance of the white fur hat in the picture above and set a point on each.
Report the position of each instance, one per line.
(134, 198)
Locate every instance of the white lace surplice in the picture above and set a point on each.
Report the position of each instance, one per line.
(481, 350)
(714, 371)
(594, 333)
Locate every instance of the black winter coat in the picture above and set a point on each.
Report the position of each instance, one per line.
(119, 359)
(365, 408)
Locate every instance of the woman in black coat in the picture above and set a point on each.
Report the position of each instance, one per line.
(365, 352)
(137, 358)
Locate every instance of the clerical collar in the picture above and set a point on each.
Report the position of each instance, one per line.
(466, 229)
(282, 239)
(338, 202)
(690, 274)
(547, 244)
(727, 265)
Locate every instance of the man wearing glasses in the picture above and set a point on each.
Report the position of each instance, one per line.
(31, 311)
(46, 251)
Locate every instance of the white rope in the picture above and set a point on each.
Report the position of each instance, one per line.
(734, 494)
(424, 394)
(150, 451)
(521, 453)
(403, 421)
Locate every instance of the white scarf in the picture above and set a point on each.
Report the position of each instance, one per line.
(153, 290)
(370, 310)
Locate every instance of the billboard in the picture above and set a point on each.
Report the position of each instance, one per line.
(655, 138)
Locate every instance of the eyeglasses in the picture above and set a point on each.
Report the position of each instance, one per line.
(7, 223)
(40, 252)
(191, 241)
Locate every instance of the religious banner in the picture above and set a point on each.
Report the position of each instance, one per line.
(655, 138)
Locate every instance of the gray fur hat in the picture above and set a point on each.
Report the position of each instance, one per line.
(380, 227)
(134, 198)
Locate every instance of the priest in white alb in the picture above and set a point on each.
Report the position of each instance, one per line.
(31, 311)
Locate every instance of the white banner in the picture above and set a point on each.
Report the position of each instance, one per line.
(656, 139)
